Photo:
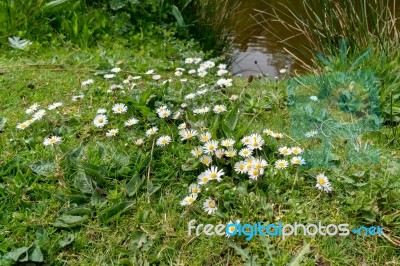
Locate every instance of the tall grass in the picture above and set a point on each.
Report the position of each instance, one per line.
(321, 24)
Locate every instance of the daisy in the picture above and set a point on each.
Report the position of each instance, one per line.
(254, 173)
(230, 152)
(196, 152)
(54, 105)
(151, 131)
(281, 164)
(225, 82)
(101, 111)
(197, 60)
(284, 151)
(219, 153)
(256, 142)
(234, 97)
(109, 76)
(189, 60)
(52, 141)
(269, 132)
(139, 142)
(227, 142)
(201, 73)
(119, 108)
(163, 140)
(178, 73)
(187, 133)
(182, 126)
(156, 77)
(245, 152)
(277, 135)
(190, 96)
(205, 159)
(176, 115)
(210, 146)
(222, 72)
(297, 160)
(259, 163)
(214, 174)
(210, 206)
(115, 70)
(23, 125)
(163, 113)
(38, 115)
(131, 122)
(246, 140)
(202, 92)
(205, 137)
(100, 120)
(136, 77)
(314, 98)
(77, 97)
(87, 82)
(192, 71)
(33, 108)
(231, 228)
(219, 109)
(323, 183)
(202, 179)
(194, 189)
(296, 150)
(189, 200)
(311, 134)
(240, 167)
(112, 132)
(151, 71)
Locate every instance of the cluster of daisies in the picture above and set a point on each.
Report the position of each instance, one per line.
(249, 165)
(36, 114)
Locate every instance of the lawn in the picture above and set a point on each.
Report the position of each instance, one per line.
(100, 196)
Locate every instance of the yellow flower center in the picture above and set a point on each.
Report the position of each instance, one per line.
(213, 175)
(322, 181)
(211, 204)
(195, 190)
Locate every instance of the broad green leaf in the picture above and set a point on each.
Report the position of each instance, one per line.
(115, 211)
(98, 173)
(84, 182)
(16, 254)
(300, 255)
(66, 240)
(67, 221)
(232, 118)
(36, 255)
(178, 16)
(244, 253)
(44, 169)
(134, 185)
(79, 210)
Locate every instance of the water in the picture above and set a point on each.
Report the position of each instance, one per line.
(253, 44)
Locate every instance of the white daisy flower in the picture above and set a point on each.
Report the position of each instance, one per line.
(222, 72)
(201, 110)
(245, 152)
(314, 98)
(297, 160)
(214, 174)
(156, 77)
(112, 132)
(100, 120)
(178, 73)
(189, 200)
(38, 115)
(176, 115)
(139, 142)
(190, 96)
(187, 133)
(101, 111)
(77, 97)
(194, 189)
(192, 71)
(182, 126)
(136, 77)
(224, 82)
(119, 108)
(254, 173)
(151, 71)
(163, 112)
(230, 152)
(197, 60)
(25, 124)
(116, 70)
(87, 82)
(203, 179)
(202, 92)
(311, 134)
(259, 163)
(205, 137)
(323, 183)
(234, 98)
(222, 66)
(33, 108)
(219, 109)
(227, 142)
(205, 159)
(277, 135)
(232, 227)
(201, 73)
(109, 76)
(256, 142)
(296, 150)
(54, 105)
(219, 153)
(269, 132)
(131, 122)
(284, 151)
(240, 167)
(210, 146)
(163, 140)
(281, 164)
(51, 141)
(196, 152)
(189, 60)
(210, 206)
(246, 140)
(151, 131)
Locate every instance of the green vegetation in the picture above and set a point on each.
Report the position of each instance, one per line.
(74, 192)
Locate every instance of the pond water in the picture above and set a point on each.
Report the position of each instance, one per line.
(253, 44)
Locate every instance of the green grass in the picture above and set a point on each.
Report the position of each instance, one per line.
(128, 215)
